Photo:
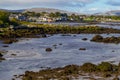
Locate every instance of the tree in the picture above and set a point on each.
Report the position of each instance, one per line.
(52, 15)
(43, 13)
(37, 14)
(64, 14)
(14, 22)
(1, 22)
(58, 14)
(4, 18)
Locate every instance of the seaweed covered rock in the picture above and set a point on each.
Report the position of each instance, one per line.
(116, 78)
(104, 70)
(88, 67)
(105, 66)
(97, 38)
(9, 41)
(71, 69)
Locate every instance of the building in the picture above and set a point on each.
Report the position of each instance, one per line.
(18, 17)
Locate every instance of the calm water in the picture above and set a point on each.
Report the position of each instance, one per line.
(31, 54)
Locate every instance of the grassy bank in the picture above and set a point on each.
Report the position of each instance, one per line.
(11, 35)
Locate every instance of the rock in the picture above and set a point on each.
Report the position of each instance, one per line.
(5, 46)
(60, 43)
(82, 49)
(74, 35)
(116, 78)
(113, 51)
(13, 54)
(1, 55)
(97, 38)
(54, 45)
(9, 41)
(44, 35)
(65, 35)
(2, 58)
(84, 39)
(48, 49)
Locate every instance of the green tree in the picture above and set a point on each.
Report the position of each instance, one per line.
(52, 15)
(37, 14)
(58, 14)
(4, 18)
(14, 22)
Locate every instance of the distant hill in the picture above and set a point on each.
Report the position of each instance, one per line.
(22, 10)
(39, 10)
(3, 10)
(49, 10)
(115, 12)
(110, 13)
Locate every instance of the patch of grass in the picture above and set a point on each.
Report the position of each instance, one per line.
(32, 32)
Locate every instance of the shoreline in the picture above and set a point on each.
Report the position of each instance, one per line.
(103, 70)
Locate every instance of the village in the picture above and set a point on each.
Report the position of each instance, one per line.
(45, 17)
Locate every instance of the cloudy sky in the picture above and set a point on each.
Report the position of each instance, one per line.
(80, 6)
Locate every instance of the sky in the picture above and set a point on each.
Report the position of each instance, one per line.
(79, 6)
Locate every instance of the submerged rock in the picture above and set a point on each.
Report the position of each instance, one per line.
(54, 45)
(5, 46)
(60, 43)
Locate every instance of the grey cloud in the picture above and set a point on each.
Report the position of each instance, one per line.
(113, 2)
(47, 3)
